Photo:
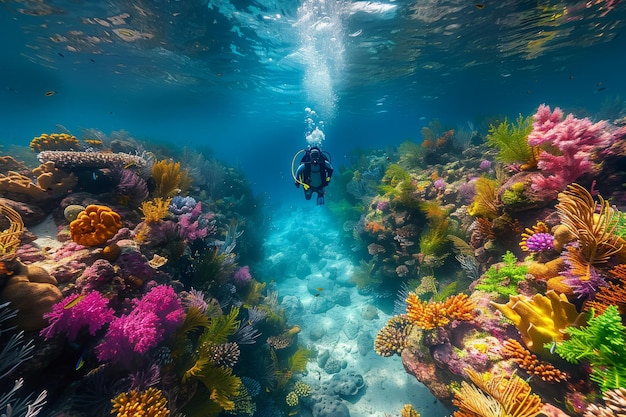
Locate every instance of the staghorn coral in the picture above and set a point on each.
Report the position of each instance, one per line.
(393, 337)
(95, 225)
(541, 319)
(496, 396)
(10, 237)
(54, 142)
(429, 315)
(74, 159)
(615, 405)
(148, 403)
(530, 363)
(593, 230)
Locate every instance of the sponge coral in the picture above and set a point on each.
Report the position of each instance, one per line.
(54, 142)
(95, 225)
(541, 319)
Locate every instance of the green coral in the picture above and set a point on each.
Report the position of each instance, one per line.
(602, 343)
(503, 279)
(515, 195)
(511, 140)
(434, 240)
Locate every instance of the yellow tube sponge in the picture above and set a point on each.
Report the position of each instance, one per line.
(541, 319)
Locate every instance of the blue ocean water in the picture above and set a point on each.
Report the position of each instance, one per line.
(237, 76)
(250, 80)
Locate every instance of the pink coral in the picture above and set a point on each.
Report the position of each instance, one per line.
(568, 144)
(75, 312)
(155, 316)
(242, 276)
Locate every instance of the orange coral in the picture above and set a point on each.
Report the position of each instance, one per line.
(155, 209)
(530, 363)
(393, 338)
(54, 141)
(374, 227)
(50, 183)
(95, 225)
(438, 314)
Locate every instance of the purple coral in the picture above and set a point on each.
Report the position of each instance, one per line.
(242, 276)
(485, 165)
(76, 312)
(156, 315)
(440, 184)
(133, 185)
(540, 242)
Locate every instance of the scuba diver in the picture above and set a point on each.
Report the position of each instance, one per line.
(314, 172)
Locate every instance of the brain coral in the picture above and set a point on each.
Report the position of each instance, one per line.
(95, 225)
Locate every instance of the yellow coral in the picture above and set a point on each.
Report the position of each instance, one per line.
(169, 178)
(95, 225)
(485, 201)
(302, 389)
(292, 399)
(10, 238)
(438, 314)
(496, 396)
(148, 403)
(155, 209)
(393, 338)
(541, 319)
(54, 142)
(409, 411)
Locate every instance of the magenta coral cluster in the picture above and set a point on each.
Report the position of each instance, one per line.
(76, 312)
(540, 242)
(567, 145)
(155, 316)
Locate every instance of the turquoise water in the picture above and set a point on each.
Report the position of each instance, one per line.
(245, 84)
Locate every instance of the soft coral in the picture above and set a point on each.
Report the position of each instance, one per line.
(567, 144)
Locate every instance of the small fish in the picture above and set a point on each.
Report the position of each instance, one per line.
(74, 302)
(600, 89)
(81, 361)
(130, 165)
(61, 55)
(50, 93)
(320, 289)
(91, 59)
(479, 6)
(571, 77)
(317, 295)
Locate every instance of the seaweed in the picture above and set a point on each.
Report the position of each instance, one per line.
(602, 343)
(503, 279)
